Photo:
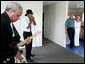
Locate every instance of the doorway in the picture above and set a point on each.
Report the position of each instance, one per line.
(77, 7)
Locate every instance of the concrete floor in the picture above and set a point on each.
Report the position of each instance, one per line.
(53, 53)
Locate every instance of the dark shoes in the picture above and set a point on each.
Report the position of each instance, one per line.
(32, 55)
(72, 46)
(29, 60)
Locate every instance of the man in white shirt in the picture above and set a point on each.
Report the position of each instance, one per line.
(28, 22)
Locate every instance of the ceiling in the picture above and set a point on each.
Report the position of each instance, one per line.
(72, 4)
(48, 2)
(76, 4)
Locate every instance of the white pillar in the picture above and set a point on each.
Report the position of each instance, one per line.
(55, 17)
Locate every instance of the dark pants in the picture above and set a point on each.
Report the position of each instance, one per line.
(71, 32)
(29, 46)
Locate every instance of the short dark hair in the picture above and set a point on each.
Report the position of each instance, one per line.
(71, 13)
(28, 12)
(78, 15)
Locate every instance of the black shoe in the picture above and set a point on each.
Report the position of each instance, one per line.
(29, 60)
(32, 55)
(72, 46)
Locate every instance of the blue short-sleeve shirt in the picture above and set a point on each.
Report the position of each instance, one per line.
(70, 22)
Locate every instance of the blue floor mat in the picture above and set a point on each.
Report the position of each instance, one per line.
(78, 50)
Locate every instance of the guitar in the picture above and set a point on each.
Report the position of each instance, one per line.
(15, 45)
(25, 41)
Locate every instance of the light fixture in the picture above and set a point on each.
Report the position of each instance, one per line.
(77, 6)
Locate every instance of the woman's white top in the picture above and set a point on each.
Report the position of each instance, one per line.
(77, 24)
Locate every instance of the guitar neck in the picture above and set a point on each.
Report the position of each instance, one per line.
(31, 37)
(22, 43)
(25, 41)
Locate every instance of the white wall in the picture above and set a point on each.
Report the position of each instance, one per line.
(55, 16)
(37, 8)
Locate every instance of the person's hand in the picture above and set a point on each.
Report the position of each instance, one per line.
(31, 18)
(28, 27)
(34, 22)
(66, 32)
(18, 55)
(28, 40)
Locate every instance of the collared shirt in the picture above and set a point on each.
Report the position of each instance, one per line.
(70, 23)
(12, 29)
(25, 21)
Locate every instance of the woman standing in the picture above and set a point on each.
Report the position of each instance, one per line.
(77, 30)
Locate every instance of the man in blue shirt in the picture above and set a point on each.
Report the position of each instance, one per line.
(69, 29)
